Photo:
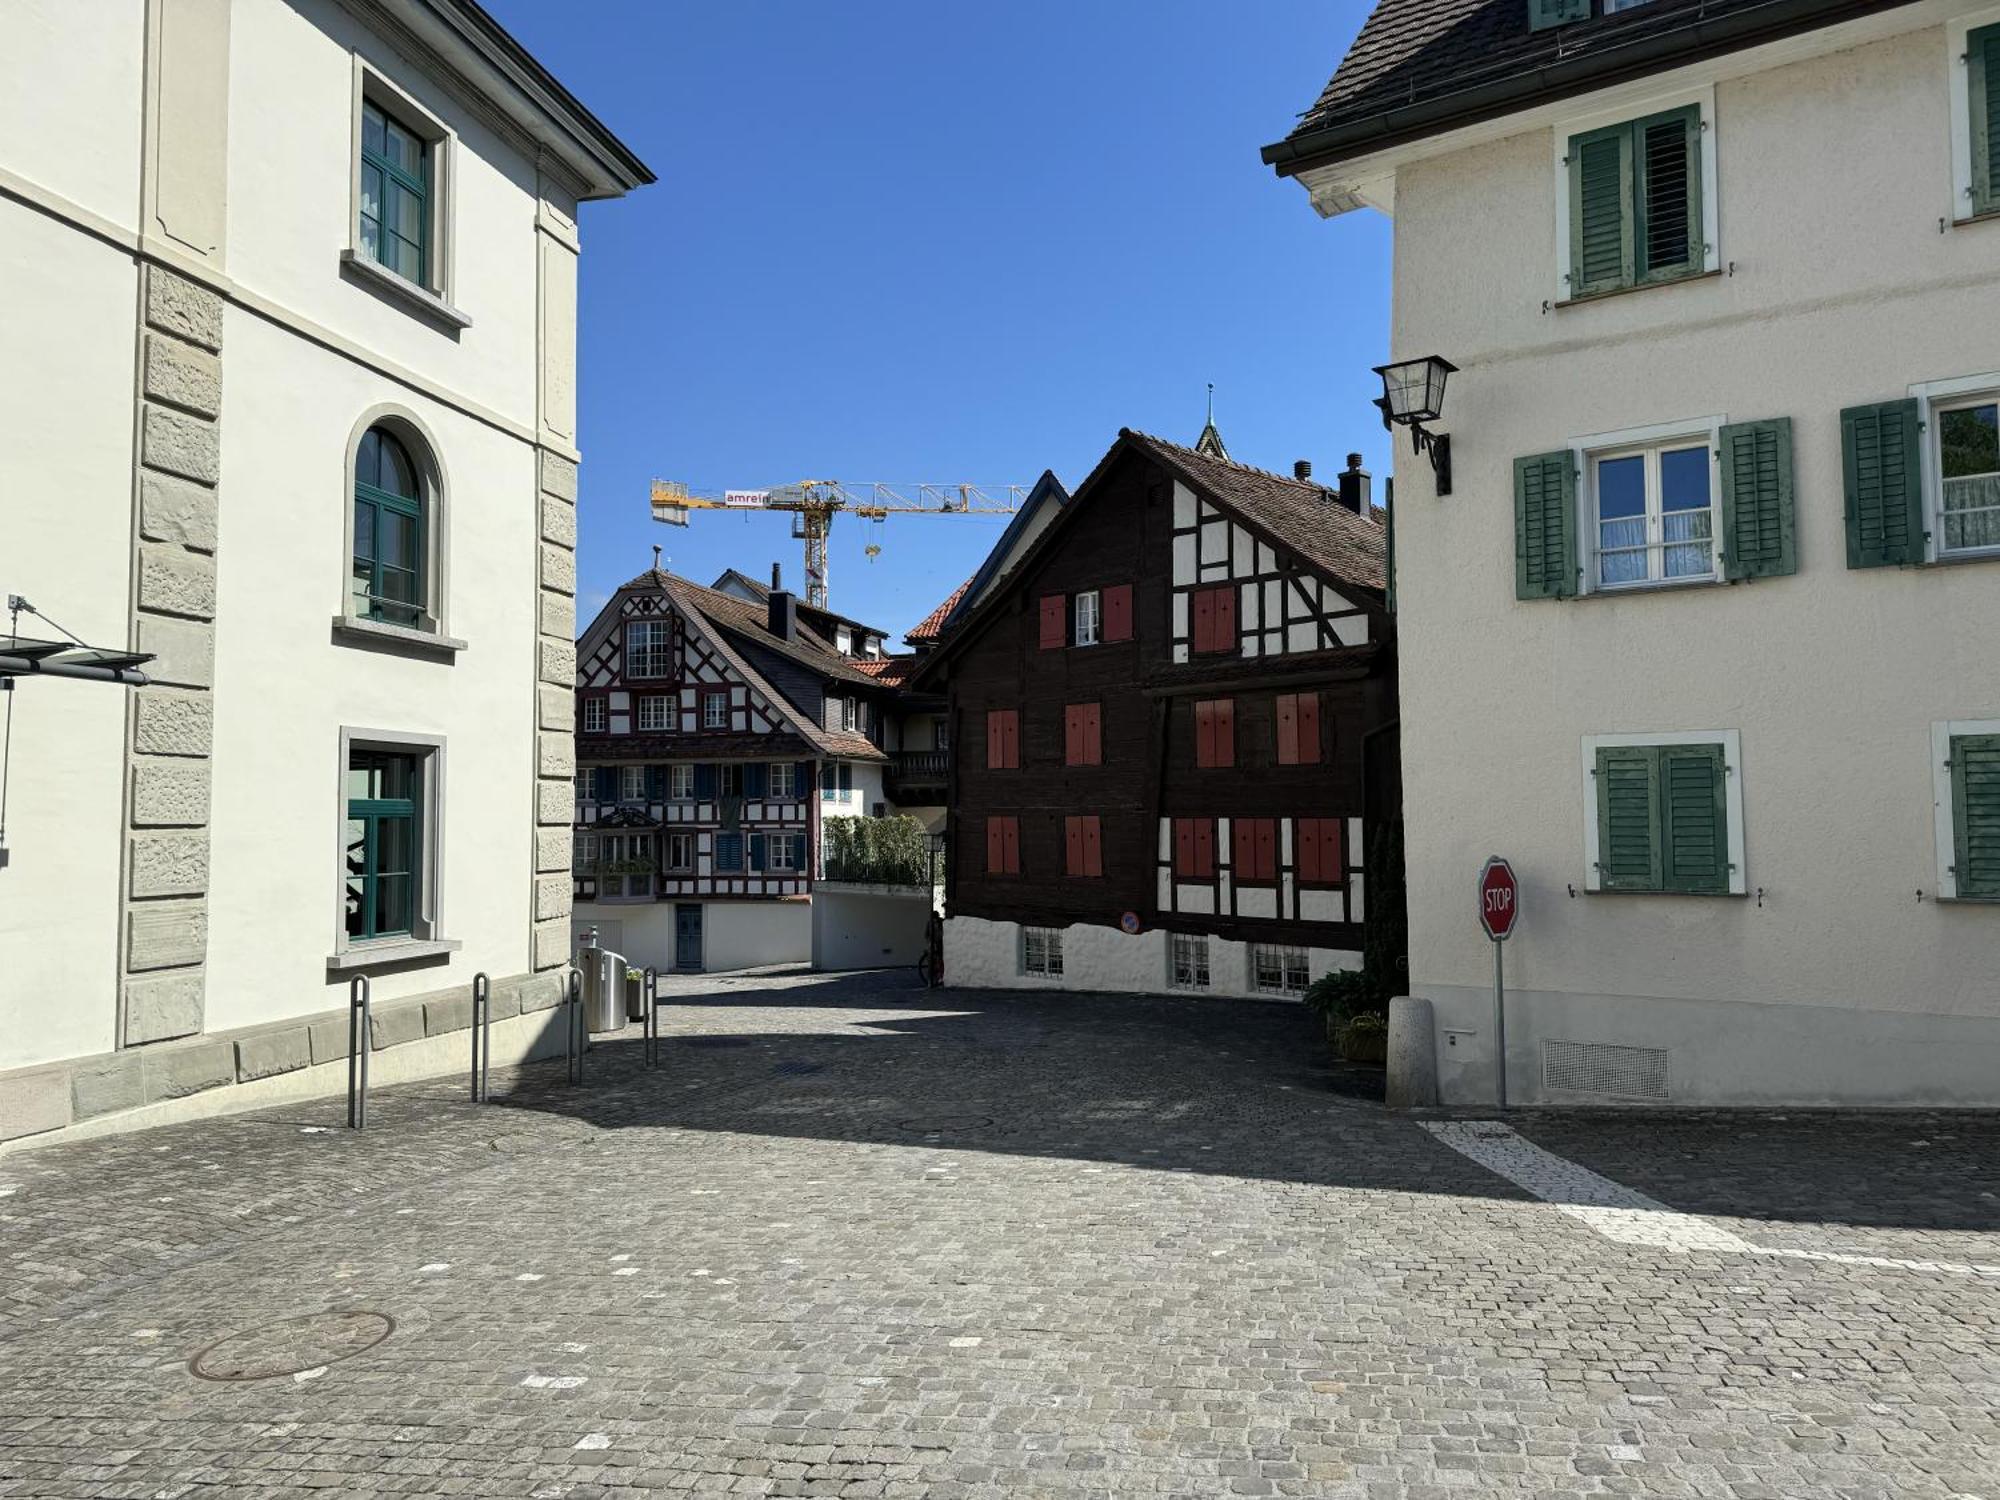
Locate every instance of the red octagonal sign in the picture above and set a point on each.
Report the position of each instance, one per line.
(1499, 899)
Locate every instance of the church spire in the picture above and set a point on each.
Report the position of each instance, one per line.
(1210, 441)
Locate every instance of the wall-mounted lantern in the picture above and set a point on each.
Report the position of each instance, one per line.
(1413, 394)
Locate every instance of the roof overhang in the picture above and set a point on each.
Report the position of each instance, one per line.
(1352, 164)
(501, 80)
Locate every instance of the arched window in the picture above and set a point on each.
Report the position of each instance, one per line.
(390, 532)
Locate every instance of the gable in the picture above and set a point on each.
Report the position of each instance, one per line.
(700, 668)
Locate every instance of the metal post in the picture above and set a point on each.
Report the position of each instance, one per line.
(1500, 1022)
(652, 1004)
(359, 1037)
(482, 1034)
(575, 1020)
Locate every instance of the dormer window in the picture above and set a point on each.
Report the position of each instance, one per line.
(1543, 14)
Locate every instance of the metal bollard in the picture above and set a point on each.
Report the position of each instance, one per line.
(576, 1032)
(482, 1036)
(652, 1004)
(359, 1038)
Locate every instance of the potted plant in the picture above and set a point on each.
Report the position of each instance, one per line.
(635, 994)
(1365, 1038)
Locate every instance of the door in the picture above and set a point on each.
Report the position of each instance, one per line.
(687, 937)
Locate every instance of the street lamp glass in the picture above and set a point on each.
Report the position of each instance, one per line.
(1414, 388)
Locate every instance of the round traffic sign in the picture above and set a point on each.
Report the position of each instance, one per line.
(1499, 899)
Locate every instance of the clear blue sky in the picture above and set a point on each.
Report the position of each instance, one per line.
(941, 242)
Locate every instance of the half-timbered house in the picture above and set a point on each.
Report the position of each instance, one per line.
(714, 737)
(1173, 734)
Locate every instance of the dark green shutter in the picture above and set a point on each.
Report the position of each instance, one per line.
(1545, 526)
(607, 783)
(756, 851)
(1543, 14)
(1628, 818)
(1757, 517)
(656, 783)
(1600, 219)
(1694, 819)
(1389, 541)
(1881, 467)
(755, 783)
(1666, 154)
(1975, 813)
(1982, 63)
(803, 780)
(704, 779)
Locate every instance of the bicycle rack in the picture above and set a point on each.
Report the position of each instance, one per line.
(482, 1037)
(360, 1033)
(652, 1006)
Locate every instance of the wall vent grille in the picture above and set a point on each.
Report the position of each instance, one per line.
(1600, 1068)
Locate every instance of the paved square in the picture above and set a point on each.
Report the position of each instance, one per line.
(856, 1239)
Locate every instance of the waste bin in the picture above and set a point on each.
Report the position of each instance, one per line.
(603, 986)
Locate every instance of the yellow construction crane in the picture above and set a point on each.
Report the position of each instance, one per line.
(813, 503)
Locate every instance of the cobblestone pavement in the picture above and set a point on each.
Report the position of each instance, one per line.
(855, 1239)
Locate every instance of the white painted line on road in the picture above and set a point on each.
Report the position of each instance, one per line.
(594, 1440)
(1630, 1217)
(554, 1382)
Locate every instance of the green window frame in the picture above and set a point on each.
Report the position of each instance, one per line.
(1663, 819)
(1974, 763)
(1635, 203)
(390, 531)
(1982, 92)
(395, 209)
(384, 850)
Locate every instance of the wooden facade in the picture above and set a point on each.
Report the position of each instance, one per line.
(1180, 712)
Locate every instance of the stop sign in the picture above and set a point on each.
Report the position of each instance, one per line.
(1499, 899)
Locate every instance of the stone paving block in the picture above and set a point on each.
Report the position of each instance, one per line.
(31, 1103)
(446, 1013)
(266, 1053)
(177, 1069)
(390, 1024)
(105, 1084)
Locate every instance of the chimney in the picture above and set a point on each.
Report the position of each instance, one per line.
(784, 616)
(1303, 469)
(777, 577)
(1353, 491)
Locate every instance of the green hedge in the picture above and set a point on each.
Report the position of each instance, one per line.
(877, 851)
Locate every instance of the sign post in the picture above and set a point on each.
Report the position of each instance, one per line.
(1499, 910)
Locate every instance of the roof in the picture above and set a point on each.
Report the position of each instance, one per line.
(892, 671)
(932, 625)
(1306, 517)
(763, 591)
(465, 38)
(1420, 67)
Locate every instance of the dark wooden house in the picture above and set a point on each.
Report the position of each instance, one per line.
(1173, 733)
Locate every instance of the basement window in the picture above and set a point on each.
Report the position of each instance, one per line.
(1042, 952)
(1187, 967)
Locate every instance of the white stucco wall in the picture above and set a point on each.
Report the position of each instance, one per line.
(1833, 174)
(983, 954)
(66, 359)
(70, 111)
(735, 934)
(860, 803)
(862, 927)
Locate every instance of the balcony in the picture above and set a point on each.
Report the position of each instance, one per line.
(914, 773)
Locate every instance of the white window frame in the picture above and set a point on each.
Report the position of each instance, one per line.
(631, 784)
(431, 297)
(596, 713)
(1199, 962)
(1042, 952)
(678, 861)
(618, 887)
(1703, 97)
(1089, 618)
(583, 852)
(1731, 741)
(1584, 455)
(586, 784)
(1942, 734)
(659, 721)
(426, 937)
(650, 655)
(714, 710)
(775, 842)
(1958, 72)
(1934, 398)
(781, 783)
(843, 640)
(850, 713)
(1283, 955)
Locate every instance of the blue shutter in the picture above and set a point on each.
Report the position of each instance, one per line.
(656, 783)
(756, 851)
(607, 783)
(756, 779)
(729, 851)
(802, 779)
(704, 779)
(846, 777)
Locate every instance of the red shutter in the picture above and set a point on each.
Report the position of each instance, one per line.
(1055, 620)
(1184, 846)
(1073, 845)
(1225, 619)
(1308, 746)
(1204, 847)
(996, 847)
(1072, 735)
(1288, 729)
(1225, 731)
(1267, 848)
(1093, 845)
(1093, 734)
(1010, 738)
(1012, 831)
(993, 741)
(1118, 612)
(1243, 856)
(1332, 854)
(1308, 852)
(1203, 604)
(1204, 734)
